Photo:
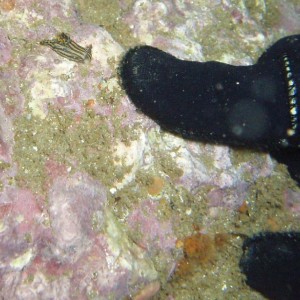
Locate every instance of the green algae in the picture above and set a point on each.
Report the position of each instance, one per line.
(243, 157)
(266, 212)
(108, 15)
(265, 12)
(83, 145)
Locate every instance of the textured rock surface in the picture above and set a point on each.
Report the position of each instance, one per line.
(95, 199)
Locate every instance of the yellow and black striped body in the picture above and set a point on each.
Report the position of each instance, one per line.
(65, 47)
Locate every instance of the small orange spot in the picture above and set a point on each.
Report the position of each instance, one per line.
(99, 86)
(90, 103)
(200, 247)
(244, 209)
(7, 5)
(273, 224)
(156, 186)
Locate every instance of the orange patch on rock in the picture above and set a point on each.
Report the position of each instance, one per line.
(90, 103)
(7, 5)
(243, 209)
(156, 186)
(273, 224)
(199, 246)
(198, 249)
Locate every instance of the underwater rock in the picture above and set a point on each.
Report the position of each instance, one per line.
(6, 48)
(291, 158)
(64, 124)
(84, 251)
(75, 202)
(255, 106)
(271, 263)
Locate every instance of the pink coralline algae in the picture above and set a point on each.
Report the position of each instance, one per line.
(292, 201)
(5, 48)
(159, 234)
(6, 139)
(18, 221)
(73, 204)
(75, 252)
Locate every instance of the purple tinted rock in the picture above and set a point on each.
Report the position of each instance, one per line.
(5, 48)
(74, 202)
(73, 252)
(21, 228)
(6, 137)
(154, 234)
(292, 201)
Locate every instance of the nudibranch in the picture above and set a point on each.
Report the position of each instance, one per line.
(255, 106)
(271, 263)
(65, 47)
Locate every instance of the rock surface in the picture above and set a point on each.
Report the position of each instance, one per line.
(95, 198)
